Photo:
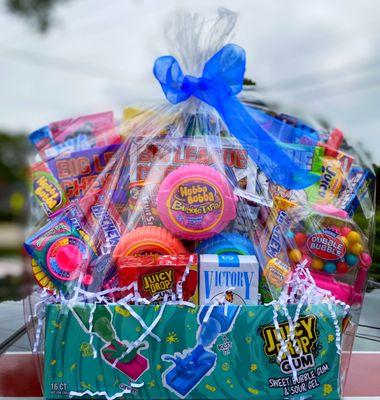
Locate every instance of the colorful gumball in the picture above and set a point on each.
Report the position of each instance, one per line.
(88, 279)
(345, 230)
(295, 255)
(356, 249)
(365, 260)
(345, 241)
(330, 268)
(336, 229)
(341, 267)
(290, 234)
(354, 237)
(352, 259)
(317, 264)
(300, 238)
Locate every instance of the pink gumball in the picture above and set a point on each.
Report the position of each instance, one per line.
(88, 279)
(365, 260)
(345, 230)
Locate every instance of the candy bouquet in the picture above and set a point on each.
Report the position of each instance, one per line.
(203, 248)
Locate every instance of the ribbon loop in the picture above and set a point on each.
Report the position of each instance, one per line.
(222, 79)
(191, 84)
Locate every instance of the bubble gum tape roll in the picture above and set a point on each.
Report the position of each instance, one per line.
(195, 202)
(148, 240)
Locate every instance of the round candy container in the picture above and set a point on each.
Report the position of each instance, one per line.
(148, 240)
(226, 243)
(195, 202)
(328, 242)
(66, 258)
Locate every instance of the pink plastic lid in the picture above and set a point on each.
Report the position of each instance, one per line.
(195, 202)
(331, 210)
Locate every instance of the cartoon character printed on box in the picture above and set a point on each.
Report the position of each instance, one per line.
(190, 367)
(120, 354)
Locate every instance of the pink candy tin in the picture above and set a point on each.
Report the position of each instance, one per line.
(196, 202)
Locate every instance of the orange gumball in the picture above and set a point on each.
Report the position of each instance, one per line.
(295, 255)
(345, 241)
(356, 249)
(317, 264)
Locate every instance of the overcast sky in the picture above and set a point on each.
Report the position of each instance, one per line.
(320, 55)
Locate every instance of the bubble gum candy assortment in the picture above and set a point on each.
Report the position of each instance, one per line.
(328, 243)
(207, 247)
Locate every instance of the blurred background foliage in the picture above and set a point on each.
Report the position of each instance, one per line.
(13, 176)
(37, 12)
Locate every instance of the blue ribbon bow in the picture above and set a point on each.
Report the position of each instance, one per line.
(221, 81)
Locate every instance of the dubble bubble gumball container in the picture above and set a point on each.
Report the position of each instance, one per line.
(204, 248)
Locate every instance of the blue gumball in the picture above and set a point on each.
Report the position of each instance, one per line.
(352, 259)
(290, 234)
(330, 268)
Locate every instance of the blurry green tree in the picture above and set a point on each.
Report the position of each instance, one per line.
(38, 12)
(13, 175)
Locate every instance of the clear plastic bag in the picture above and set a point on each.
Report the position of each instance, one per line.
(200, 200)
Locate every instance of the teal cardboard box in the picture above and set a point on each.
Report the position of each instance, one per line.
(171, 352)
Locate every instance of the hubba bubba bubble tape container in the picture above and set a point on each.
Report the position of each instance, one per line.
(207, 247)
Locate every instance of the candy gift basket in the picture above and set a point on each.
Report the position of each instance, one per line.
(206, 247)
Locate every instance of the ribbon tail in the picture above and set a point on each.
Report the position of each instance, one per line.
(262, 148)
